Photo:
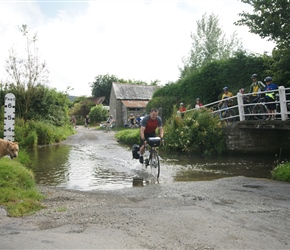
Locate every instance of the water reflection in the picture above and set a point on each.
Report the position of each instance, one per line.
(77, 167)
(49, 164)
(89, 167)
(197, 168)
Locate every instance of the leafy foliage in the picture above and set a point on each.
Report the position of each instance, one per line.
(281, 172)
(198, 132)
(82, 108)
(28, 79)
(98, 114)
(32, 133)
(102, 86)
(207, 84)
(279, 64)
(164, 104)
(269, 19)
(26, 74)
(209, 43)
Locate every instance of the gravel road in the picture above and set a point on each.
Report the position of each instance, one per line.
(229, 213)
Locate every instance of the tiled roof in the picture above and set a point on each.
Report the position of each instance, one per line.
(133, 91)
(97, 100)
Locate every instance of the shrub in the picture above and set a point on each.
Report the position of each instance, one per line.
(198, 132)
(32, 133)
(281, 172)
(98, 114)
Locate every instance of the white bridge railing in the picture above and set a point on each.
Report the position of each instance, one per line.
(238, 113)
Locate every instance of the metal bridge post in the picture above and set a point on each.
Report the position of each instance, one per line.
(283, 103)
(241, 106)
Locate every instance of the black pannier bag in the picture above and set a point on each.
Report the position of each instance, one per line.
(135, 151)
(154, 141)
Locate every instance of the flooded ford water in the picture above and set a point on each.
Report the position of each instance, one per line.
(92, 159)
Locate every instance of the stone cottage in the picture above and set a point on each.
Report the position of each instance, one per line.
(129, 98)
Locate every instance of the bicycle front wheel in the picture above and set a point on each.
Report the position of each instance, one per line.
(154, 163)
(230, 115)
(260, 111)
(247, 113)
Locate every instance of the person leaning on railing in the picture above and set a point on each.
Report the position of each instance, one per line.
(226, 95)
(245, 97)
(255, 88)
(198, 103)
(270, 97)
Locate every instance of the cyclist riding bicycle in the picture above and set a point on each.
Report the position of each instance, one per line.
(132, 121)
(109, 123)
(148, 128)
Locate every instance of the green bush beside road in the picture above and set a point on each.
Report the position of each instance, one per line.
(282, 172)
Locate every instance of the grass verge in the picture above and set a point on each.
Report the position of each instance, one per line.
(129, 136)
(18, 193)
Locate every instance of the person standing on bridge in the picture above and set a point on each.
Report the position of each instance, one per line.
(256, 87)
(198, 103)
(225, 95)
(181, 110)
(270, 97)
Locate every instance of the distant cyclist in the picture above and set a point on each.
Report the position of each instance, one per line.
(132, 121)
(148, 128)
(87, 121)
(256, 87)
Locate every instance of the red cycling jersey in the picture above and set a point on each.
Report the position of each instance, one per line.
(151, 125)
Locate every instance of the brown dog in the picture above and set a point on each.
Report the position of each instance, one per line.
(8, 148)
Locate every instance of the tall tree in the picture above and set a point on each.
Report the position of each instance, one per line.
(270, 19)
(102, 86)
(209, 43)
(26, 74)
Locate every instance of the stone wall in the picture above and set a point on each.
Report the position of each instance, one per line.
(259, 137)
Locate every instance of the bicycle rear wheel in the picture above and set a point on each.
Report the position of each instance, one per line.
(154, 163)
(105, 128)
(260, 111)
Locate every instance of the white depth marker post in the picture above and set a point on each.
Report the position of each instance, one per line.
(9, 117)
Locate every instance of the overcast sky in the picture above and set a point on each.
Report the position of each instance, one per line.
(131, 39)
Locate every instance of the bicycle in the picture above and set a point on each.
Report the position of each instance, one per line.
(153, 159)
(225, 113)
(258, 110)
(107, 127)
